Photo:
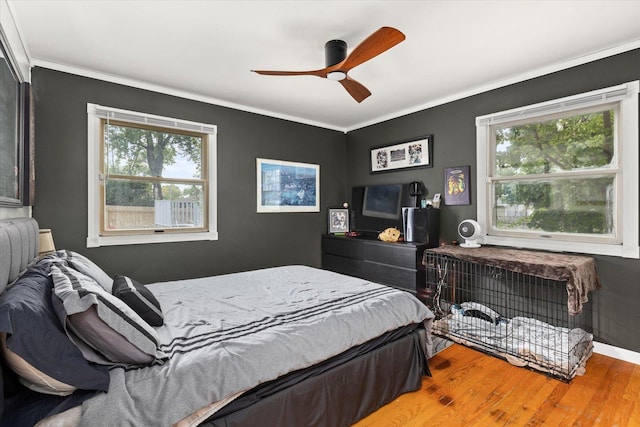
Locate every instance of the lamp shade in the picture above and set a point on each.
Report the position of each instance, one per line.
(45, 242)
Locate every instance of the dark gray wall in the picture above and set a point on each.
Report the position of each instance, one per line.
(247, 240)
(617, 306)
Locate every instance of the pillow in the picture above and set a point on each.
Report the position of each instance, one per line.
(96, 333)
(139, 298)
(34, 333)
(31, 377)
(87, 267)
(78, 294)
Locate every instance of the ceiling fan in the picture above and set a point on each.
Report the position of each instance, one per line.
(338, 63)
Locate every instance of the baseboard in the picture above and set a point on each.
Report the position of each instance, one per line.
(616, 352)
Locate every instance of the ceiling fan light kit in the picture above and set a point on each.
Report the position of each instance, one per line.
(338, 63)
(336, 75)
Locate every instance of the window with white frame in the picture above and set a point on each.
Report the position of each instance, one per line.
(562, 175)
(151, 179)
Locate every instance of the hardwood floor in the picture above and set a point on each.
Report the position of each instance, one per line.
(470, 388)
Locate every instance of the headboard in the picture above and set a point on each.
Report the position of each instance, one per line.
(18, 247)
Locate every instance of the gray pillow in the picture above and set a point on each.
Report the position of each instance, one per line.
(100, 336)
(87, 267)
(139, 298)
(79, 293)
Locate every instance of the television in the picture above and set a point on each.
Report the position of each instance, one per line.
(382, 201)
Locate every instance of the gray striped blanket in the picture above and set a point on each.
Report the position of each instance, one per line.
(227, 334)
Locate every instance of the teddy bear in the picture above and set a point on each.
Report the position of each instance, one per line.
(391, 234)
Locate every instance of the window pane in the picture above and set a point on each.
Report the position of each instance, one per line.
(584, 206)
(146, 152)
(583, 141)
(135, 205)
(9, 118)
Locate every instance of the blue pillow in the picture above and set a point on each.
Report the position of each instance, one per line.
(34, 331)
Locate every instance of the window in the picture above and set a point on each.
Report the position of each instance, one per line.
(151, 178)
(562, 175)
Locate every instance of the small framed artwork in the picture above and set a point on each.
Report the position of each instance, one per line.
(457, 186)
(417, 152)
(338, 221)
(287, 186)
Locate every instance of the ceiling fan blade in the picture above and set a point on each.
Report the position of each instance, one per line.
(378, 42)
(355, 89)
(319, 73)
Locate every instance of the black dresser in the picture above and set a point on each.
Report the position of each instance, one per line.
(395, 264)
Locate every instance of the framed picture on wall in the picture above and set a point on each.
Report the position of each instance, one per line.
(287, 186)
(457, 186)
(338, 221)
(417, 152)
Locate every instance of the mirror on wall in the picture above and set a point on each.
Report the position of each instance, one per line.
(13, 151)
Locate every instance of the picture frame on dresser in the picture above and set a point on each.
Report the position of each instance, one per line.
(338, 221)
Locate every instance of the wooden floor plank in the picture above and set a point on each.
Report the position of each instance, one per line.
(600, 410)
(455, 382)
(498, 405)
(558, 410)
(520, 395)
(632, 394)
(470, 388)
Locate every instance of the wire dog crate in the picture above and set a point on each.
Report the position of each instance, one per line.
(519, 317)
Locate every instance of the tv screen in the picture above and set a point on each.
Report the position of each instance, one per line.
(382, 201)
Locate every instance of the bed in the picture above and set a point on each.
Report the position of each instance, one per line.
(290, 345)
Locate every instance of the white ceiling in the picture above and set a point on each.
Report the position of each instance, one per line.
(205, 49)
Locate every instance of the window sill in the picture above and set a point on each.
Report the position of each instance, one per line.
(97, 241)
(629, 251)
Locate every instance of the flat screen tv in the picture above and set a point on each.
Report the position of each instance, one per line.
(382, 201)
